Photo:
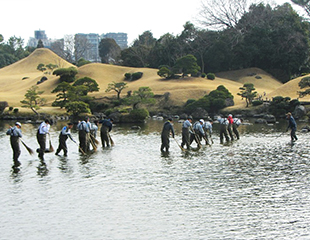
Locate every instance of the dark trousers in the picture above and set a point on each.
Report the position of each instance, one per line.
(185, 138)
(197, 137)
(41, 138)
(223, 133)
(165, 142)
(235, 130)
(62, 144)
(16, 149)
(293, 134)
(84, 140)
(104, 134)
(230, 132)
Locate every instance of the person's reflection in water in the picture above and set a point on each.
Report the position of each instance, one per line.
(42, 168)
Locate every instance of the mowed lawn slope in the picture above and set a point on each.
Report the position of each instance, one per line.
(13, 87)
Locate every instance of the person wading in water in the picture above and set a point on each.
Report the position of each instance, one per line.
(15, 133)
(292, 125)
(165, 134)
(63, 136)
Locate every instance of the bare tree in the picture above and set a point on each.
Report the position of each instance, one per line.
(219, 14)
(304, 4)
(81, 46)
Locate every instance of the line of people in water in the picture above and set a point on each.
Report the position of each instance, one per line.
(87, 133)
(201, 130)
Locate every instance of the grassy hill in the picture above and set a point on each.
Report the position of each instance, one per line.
(17, 78)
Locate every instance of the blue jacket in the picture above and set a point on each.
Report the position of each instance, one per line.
(291, 123)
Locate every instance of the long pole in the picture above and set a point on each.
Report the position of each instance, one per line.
(198, 142)
(179, 145)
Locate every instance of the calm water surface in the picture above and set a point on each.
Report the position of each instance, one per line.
(255, 188)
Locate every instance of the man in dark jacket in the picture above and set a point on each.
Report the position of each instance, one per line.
(106, 127)
(165, 134)
(15, 133)
(63, 136)
(292, 125)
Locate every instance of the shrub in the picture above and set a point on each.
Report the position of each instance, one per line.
(165, 72)
(203, 75)
(11, 108)
(66, 74)
(189, 101)
(127, 76)
(257, 102)
(77, 107)
(211, 76)
(15, 110)
(136, 75)
(43, 79)
(3, 105)
(138, 115)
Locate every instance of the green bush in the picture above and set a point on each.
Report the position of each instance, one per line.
(136, 115)
(279, 105)
(203, 75)
(11, 108)
(136, 75)
(212, 103)
(15, 110)
(66, 74)
(257, 102)
(127, 76)
(211, 76)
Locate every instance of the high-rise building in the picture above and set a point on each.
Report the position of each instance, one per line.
(120, 38)
(39, 35)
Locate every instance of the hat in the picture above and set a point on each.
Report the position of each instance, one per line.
(170, 119)
(288, 114)
(201, 120)
(229, 115)
(18, 123)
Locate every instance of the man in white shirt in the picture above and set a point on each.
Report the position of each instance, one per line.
(43, 130)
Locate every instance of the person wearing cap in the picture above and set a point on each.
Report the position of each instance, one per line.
(84, 134)
(291, 125)
(223, 129)
(15, 133)
(165, 134)
(207, 127)
(186, 126)
(230, 126)
(63, 136)
(106, 127)
(198, 133)
(43, 130)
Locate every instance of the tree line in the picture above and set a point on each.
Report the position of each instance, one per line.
(273, 39)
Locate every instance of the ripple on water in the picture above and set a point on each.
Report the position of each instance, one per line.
(254, 188)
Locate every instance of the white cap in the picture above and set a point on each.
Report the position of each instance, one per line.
(202, 121)
(18, 123)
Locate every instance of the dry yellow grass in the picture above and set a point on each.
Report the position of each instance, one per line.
(13, 88)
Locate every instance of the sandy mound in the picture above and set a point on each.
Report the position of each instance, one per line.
(289, 89)
(17, 78)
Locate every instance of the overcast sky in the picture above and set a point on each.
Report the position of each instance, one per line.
(21, 18)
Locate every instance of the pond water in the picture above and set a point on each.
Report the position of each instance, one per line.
(255, 188)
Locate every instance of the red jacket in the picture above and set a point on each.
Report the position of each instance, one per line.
(230, 120)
